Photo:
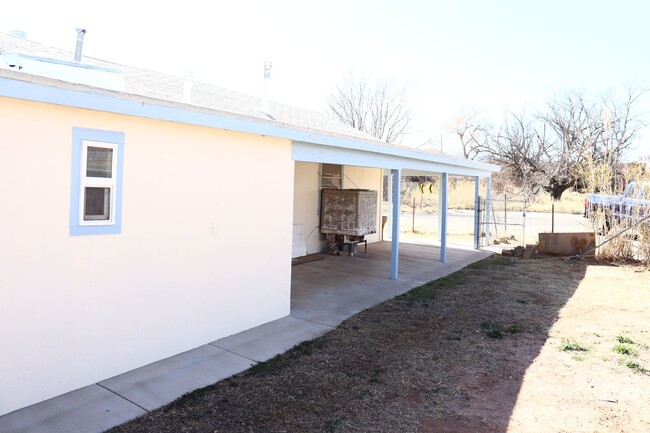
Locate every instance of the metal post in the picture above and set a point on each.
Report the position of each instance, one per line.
(413, 223)
(394, 251)
(552, 217)
(443, 212)
(488, 210)
(477, 224)
(505, 212)
(477, 205)
(523, 228)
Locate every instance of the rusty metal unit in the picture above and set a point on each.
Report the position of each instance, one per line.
(351, 212)
(347, 215)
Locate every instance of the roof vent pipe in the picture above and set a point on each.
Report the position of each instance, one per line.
(80, 44)
(266, 87)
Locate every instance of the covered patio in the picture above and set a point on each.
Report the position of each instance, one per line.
(331, 289)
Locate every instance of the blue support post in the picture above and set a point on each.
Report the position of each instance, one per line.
(443, 220)
(394, 252)
(477, 205)
(488, 210)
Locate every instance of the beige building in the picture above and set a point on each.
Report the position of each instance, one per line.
(144, 215)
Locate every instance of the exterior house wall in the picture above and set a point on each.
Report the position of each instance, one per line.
(79, 309)
(305, 210)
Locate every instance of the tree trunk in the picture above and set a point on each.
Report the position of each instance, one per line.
(557, 187)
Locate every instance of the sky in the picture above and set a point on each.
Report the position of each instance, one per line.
(456, 55)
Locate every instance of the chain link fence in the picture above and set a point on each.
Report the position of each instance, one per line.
(507, 220)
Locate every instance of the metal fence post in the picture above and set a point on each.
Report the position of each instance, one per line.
(553, 217)
(477, 223)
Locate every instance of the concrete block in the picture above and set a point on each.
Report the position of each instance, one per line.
(566, 244)
(518, 251)
(529, 252)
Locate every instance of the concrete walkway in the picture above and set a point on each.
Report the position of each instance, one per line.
(324, 293)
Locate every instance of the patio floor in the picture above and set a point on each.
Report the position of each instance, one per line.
(324, 293)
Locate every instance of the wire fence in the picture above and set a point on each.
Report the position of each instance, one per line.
(506, 220)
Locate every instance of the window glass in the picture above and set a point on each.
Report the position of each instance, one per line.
(97, 204)
(99, 162)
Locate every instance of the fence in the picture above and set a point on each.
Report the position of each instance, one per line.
(504, 219)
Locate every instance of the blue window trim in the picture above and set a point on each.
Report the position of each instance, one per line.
(78, 135)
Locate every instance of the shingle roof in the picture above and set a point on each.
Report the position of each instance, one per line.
(169, 87)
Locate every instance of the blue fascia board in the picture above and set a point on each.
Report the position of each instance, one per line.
(112, 103)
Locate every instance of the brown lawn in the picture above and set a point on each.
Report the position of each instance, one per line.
(479, 351)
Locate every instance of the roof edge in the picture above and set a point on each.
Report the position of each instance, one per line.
(35, 88)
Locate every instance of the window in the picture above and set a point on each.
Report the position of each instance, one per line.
(96, 182)
(98, 170)
(331, 176)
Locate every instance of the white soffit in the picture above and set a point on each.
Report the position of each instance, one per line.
(410, 162)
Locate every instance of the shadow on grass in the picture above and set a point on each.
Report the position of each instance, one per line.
(457, 345)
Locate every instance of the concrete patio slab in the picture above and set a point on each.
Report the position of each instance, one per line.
(330, 295)
(331, 290)
(271, 339)
(89, 409)
(164, 381)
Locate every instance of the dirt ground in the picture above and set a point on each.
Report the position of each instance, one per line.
(505, 345)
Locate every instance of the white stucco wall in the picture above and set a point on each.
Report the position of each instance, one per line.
(305, 210)
(79, 309)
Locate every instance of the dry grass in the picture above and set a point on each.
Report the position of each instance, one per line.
(633, 243)
(429, 361)
(461, 196)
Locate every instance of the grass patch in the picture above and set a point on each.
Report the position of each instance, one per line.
(578, 358)
(491, 263)
(571, 345)
(624, 340)
(432, 289)
(486, 325)
(624, 349)
(275, 364)
(495, 333)
(633, 365)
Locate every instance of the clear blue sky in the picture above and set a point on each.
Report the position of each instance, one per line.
(457, 54)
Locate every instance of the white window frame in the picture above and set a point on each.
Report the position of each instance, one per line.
(97, 182)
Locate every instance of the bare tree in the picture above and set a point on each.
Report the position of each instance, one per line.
(381, 109)
(473, 133)
(554, 149)
(589, 132)
(522, 148)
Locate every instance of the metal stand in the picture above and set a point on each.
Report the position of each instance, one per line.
(339, 243)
